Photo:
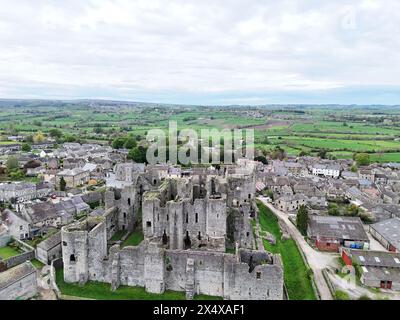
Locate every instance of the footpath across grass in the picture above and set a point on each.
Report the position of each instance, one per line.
(102, 291)
(296, 274)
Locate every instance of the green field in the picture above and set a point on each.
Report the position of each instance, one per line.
(296, 274)
(102, 291)
(340, 130)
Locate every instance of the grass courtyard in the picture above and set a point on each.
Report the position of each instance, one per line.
(102, 291)
(134, 239)
(8, 252)
(296, 274)
(118, 235)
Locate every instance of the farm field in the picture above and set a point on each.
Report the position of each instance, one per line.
(339, 130)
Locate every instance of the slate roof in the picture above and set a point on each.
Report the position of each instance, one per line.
(390, 230)
(50, 242)
(346, 228)
(376, 258)
(16, 273)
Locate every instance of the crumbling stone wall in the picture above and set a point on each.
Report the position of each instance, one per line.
(157, 269)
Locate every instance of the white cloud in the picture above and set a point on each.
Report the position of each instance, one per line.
(55, 49)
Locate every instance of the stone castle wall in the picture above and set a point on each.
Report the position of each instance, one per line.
(157, 269)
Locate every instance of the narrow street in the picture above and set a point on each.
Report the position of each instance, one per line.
(317, 260)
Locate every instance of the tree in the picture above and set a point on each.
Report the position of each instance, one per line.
(277, 153)
(130, 143)
(269, 193)
(353, 210)
(55, 133)
(138, 154)
(12, 163)
(333, 210)
(354, 168)
(16, 174)
(302, 220)
(70, 138)
(118, 143)
(322, 153)
(261, 159)
(26, 147)
(32, 164)
(38, 137)
(304, 153)
(362, 159)
(63, 184)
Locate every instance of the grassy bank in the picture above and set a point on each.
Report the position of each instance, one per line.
(102, 291)
(296, 273)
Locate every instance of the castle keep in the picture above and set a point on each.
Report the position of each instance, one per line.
(187, 223)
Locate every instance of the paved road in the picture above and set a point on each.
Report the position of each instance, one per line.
(317, 260)
(374, 244)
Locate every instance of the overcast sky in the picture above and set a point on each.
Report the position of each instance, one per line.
(202, 52)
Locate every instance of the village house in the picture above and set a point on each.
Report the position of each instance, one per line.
(9, 148)
(367, 174)
(49, 249)
(43, 145)
(290, 203)
(17, 191)
(73, 163)
(348, 175)
(387, 232)
(389, 196)
(51, 163)
(326, 170)
(23, 191)
(377, 269)
(40, 215)
(95, 170)
(381, 178)
(17, 225)
(19, 282)
(46, 153)
(17, 138)
(328, 233)
(73, 177)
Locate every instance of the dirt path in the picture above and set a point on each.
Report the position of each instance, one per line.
(317, 260)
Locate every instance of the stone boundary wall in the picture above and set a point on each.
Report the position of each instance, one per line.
(331, 286)
(53, 278)
(16, 260)
(24, 245)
